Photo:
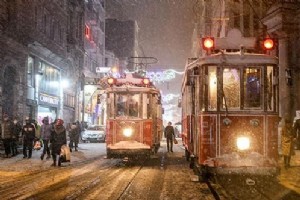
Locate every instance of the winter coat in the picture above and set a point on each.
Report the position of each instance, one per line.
(58, 138)
(169, 132)
(6, 130)
(287, 141)
(28, 132)
(16, 130)
(74, 132)
(46, 131)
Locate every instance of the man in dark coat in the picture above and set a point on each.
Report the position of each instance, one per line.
(74, 136)
(28, 133)
(169, 134)
(16, 130)
(6, 134)
(57, 139)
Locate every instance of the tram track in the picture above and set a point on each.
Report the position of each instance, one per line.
(131, 181)
(51, 179)
(161, 177)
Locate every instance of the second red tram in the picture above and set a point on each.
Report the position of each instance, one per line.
(134, 117)
(230, 109)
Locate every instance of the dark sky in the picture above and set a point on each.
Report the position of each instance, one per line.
(165, 32)
(165, 27)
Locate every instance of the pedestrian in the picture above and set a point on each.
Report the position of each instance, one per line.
(297, 133)
(28, 133)
(57, 139)
(287, 141)
(169, 134)
(45, 136)
(74, 136)
(16, 130)
(6, 134)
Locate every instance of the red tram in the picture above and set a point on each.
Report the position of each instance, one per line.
(230, 109)
(134, 117)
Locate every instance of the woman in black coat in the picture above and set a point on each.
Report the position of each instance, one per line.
(58, 138)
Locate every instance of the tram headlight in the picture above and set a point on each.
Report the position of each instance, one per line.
(127, 132)
(243, 143)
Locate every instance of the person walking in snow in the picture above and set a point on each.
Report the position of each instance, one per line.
(28, 133)
(74, 136)
(287, 141)
(6, 134)
(57, 139)
(169, 134)
(45, 136)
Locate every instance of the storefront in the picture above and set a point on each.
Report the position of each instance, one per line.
(48, 106)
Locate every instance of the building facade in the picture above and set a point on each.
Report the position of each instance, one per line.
(122, 39)
(41, 52)
(94, 60)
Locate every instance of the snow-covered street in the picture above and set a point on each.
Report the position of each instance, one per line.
(90, 175)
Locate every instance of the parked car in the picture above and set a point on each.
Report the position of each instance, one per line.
(94, 133)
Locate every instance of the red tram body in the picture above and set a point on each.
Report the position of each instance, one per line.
(230, 109)
(134, 117)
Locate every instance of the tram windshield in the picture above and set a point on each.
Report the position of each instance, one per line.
(127, 105)
(240, 87)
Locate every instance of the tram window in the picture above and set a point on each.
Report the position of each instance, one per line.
(121, 105)
(212, 88)
(133, 105)
(231, 88)
(127, 105)
(270, 88)
(252, 87)
(146, 106)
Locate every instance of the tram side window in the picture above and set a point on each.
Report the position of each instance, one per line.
(252, 87)
(121, 105)
(212, 85)
(270, 88)
(231, 88)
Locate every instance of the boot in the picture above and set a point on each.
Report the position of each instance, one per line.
(42, 156)
(59, 161)
(76, 149)
(54, 160)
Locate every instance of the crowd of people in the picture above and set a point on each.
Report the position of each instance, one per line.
(51, 137)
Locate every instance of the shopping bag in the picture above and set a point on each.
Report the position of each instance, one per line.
(175, 141)
(37, 145)
(65, 154)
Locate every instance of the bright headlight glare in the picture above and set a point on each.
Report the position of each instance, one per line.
(243, 143)
(127, 132)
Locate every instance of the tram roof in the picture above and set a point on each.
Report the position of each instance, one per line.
(233, 58)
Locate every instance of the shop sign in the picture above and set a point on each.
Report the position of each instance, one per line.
(48, 99)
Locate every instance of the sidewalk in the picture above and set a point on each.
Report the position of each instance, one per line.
(290, 177)
(18, 163)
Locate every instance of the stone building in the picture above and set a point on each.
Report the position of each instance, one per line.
(94, 59)
(283, 23)
(122, 39)
(41, 50)
(278, 19)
